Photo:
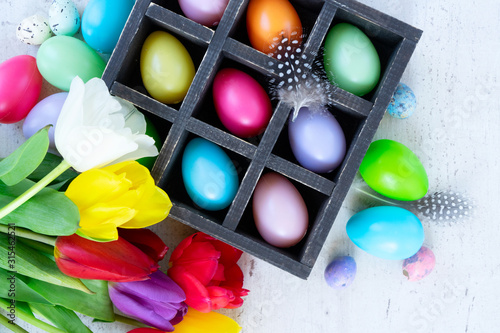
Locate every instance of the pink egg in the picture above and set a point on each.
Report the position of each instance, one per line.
(44, 113)
(206, 12)
(419, 265)
(20, 86)
(243, 106)
(279, 211)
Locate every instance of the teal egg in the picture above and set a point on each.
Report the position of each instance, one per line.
(351, 60)
(209, 175)
(61, 58)
(386, 232)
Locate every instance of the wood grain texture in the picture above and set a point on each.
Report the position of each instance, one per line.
(455, 131)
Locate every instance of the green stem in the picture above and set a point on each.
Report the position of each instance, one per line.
(30, 319)
(129, 321)
(28, 234)
(13, 327)
(11, 206)
(375, 197)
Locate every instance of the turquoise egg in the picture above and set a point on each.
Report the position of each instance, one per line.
(209, 175)
(386, 232)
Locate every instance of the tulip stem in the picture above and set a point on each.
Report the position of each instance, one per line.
(129, 321)
(42, 183)
(29, 318)
(28, 234)
(11, 326)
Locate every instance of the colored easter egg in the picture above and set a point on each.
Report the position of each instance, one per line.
(44, 113)
(167, 69)
(393, 170)
(419, 265)
(403, 102)
(61, 58)
(20, 86)
(64, 18)
(209, 175)
(387, 232)
(279, 211)
(243, 106)
(34, 30)
(316, 139)
(148, 162)
(351, 61)
(340, 273)
(208, 13)
(270, 21)
(103, 22)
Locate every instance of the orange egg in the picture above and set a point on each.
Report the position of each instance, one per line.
(268, 21)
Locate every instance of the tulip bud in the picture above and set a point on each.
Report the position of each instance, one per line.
(117, 261)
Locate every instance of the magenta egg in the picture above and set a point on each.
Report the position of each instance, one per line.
(242, 105)
(20, 86)
(279, 211)
(419, 265)
(46, 112)
(204, 12)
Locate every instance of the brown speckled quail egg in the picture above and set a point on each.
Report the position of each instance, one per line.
(33, 30)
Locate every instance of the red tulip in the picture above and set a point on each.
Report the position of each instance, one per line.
(146, 240)
(117, 261)
(207, 270)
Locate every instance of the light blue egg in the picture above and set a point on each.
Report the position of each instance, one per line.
(103, 22)
(386, 232)
(209, 175)
(403, 102)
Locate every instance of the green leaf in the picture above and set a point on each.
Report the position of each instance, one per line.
(21, 291)
(25, 159)
(49, 212)
(49, 163)
(61, 317)
(97, 305)
(23, 312)
(31, 263)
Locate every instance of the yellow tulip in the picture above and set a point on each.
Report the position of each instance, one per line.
(120, 195)
(212, 322)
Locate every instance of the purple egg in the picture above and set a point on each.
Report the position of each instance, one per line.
(340, 272)
(419, 265)
(44, 113)
(204, 12)
(279, 211)
(317, 140)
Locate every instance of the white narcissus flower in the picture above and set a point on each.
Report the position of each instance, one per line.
(95, 129)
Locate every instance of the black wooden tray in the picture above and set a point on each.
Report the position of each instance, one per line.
(227, 45)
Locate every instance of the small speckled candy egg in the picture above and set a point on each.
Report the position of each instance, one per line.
(33, 30)
(403, 102)
(64, 18)
(340, 272)
(419, 265)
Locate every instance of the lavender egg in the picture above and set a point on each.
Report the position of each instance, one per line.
(340, 272)
(279, 211)
(316, 139)
(419, 265)
(46, 112)
(208, 13)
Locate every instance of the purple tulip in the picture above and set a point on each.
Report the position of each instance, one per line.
(157, 302)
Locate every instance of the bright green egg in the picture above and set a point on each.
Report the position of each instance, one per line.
(351, 61)
(148, 162)
(393, 170)
(61, 58)
(167, 69)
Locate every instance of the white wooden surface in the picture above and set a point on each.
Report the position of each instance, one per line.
(455, 132)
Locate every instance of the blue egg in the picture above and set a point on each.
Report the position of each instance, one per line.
(209, 175)
(403, 102)
(316, 139)
(103, 22)
(386, 232)
(340, 272)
